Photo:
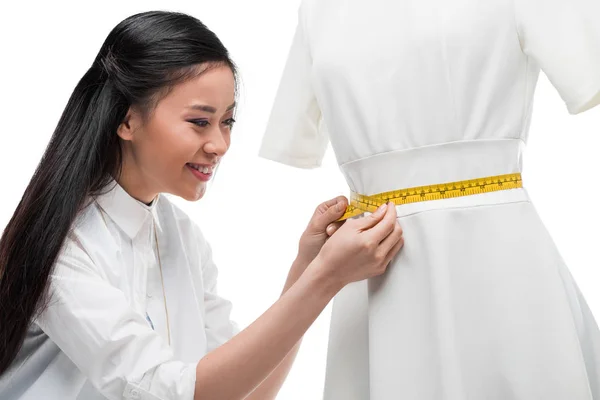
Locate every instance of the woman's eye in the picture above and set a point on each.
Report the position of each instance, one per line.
(200, 122)
(229, 122)
(204, 123)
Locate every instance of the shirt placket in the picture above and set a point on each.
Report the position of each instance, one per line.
(155, 307)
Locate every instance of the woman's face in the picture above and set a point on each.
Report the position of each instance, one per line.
(177, 149)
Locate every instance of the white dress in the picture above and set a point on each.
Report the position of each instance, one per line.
(479, 303)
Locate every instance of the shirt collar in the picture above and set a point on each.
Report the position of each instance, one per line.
(127, 212)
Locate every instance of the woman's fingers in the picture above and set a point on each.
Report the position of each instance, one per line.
(370, 220)
(391, 242)
(393, 252)
(357, 252)
(328, 212)
(333, 227)
(385, 226)
(327, 205)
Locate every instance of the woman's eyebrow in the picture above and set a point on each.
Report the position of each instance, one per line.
(209, 109)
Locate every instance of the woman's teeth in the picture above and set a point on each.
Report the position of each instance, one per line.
(204, 170)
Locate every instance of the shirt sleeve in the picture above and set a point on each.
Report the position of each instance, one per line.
(219, 326)
(295, 134)
(92, 322)
(563, 37)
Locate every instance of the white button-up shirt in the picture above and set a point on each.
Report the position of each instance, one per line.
(104, 333)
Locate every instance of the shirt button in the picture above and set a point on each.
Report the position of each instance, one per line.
(135, 394)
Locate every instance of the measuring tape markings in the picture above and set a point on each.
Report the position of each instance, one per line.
(360, 203)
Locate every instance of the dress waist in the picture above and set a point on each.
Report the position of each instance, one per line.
(438, 164)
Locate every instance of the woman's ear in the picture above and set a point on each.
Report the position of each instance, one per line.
(130, 124)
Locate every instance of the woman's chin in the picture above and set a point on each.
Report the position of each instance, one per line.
(193, 194)
(187, 189)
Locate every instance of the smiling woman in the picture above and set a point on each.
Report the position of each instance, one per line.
(123, 138)
(161, 151)
(107, 289)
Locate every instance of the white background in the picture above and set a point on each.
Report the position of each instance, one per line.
(252, 226)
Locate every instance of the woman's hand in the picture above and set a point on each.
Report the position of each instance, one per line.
(361, 249)
(321, 226)
(259, 357)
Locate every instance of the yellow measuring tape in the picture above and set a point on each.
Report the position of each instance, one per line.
(360, 203)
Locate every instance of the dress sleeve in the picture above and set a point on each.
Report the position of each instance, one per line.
(92, 322)
(563, 37)
(219, 326)
(295, 134)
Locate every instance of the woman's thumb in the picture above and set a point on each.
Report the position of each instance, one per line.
(338, 210)
(333, 213)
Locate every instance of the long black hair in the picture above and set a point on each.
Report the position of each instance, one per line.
(142, 58)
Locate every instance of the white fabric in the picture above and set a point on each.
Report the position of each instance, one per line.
(479, 303)
(94, 341)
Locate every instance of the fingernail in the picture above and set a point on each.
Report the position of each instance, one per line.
(338, 206)
(381, 209)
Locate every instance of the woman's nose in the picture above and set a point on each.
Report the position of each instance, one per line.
(216, 143)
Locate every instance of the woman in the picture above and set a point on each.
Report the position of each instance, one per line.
(107, 290)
